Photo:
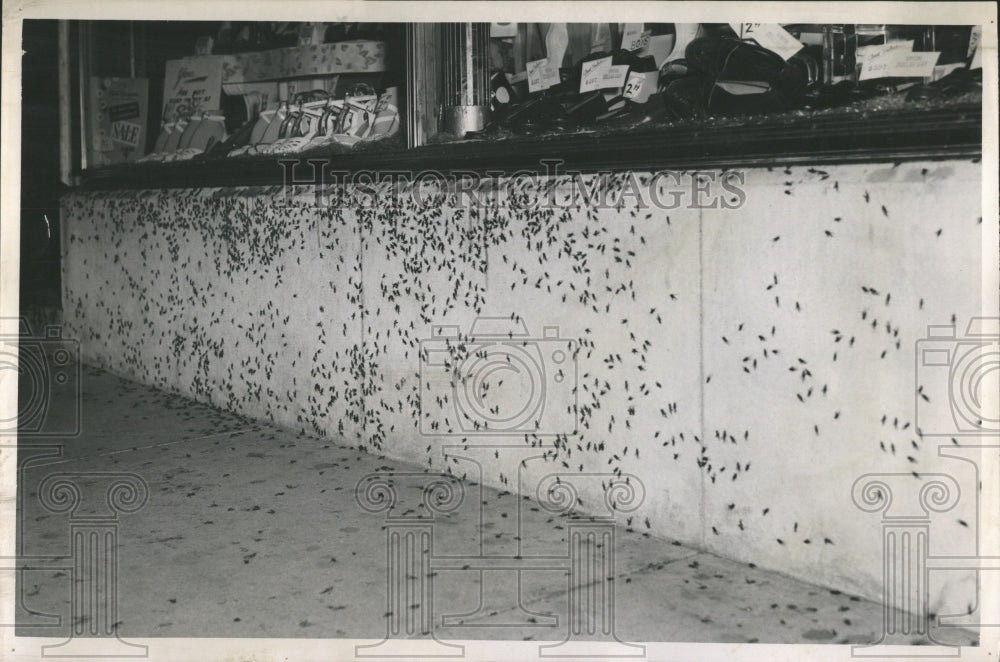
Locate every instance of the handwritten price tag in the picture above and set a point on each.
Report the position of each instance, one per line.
(975, 51)
(541, 76)
(614, 76)
(634, 86)
(771, 36)
(874, 49)
(593, 72)
(975, 36)
(892, 60)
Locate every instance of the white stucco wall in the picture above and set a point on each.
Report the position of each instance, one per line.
(314, 319)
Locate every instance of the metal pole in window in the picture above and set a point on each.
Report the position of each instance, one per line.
(83, 71)
(466, 84)
(131, 48)
(425, 53)
(65, 112)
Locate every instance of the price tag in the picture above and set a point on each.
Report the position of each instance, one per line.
(633, 38)
(541, 76)
(614, 76)
(866, 51)
(633, 86)
(889, 60)
(771, 36)
(974, 50)
(593, 72)
(974, 37)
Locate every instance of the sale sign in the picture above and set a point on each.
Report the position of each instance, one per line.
(117, 114)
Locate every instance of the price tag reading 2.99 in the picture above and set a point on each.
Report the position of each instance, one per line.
(633, 86)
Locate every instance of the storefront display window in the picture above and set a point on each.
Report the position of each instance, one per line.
(247, 93)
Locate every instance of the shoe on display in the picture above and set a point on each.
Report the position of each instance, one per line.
(210, 131)
(240, 138)
(161, 140)
(724, 76)
(305, 129)
(261, 124)
(385, 122)
(271, 133)
(189, 131)
(538, 114)
(174, 139)
(632, 114)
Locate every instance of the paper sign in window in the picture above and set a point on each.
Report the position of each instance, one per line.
(592, 74)
(882, 62)
(633, 38)
(771, 36)
(541, 76)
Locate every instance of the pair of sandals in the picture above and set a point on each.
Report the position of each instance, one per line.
(313, 120)
(285, 126)
(184, 139)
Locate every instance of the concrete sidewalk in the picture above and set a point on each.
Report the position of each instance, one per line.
(254, 531)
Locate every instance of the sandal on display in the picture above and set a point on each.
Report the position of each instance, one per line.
(305, 129)
(260, 126)
(270, 134)
(356, 119)
(210, 131)
(327, 126)
(171, 136)
(385, 122)
(161, 140)
(174, 139)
